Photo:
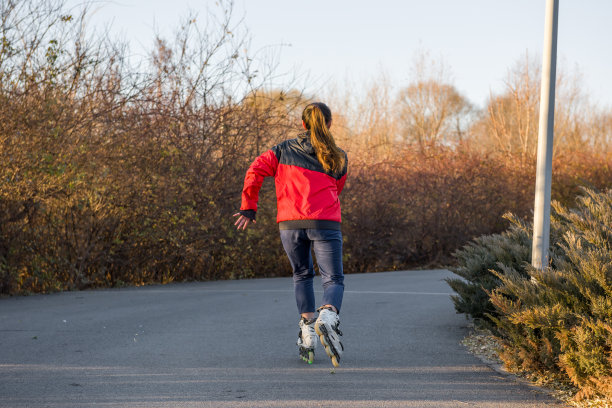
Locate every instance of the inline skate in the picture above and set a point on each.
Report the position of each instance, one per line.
(307, 340)
(326, 327)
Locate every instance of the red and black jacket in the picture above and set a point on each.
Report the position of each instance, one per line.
(307, 196)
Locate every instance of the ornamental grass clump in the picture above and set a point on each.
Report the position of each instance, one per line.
(555, 323)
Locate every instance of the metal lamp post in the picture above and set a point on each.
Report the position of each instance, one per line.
(541, 219)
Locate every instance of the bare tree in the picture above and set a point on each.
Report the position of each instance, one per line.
(431, 110)
(365, 120)
(510, 122)
(598, 130)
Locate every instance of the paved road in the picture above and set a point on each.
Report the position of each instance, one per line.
(232, 344)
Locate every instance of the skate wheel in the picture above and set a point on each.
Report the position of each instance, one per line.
(335, 361)
(310, 357)
(323, 341)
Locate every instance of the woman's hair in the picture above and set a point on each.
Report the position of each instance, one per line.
(317, 118)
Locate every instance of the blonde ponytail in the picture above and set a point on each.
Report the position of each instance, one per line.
(317, 117)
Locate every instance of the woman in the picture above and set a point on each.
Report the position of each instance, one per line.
(309, 173)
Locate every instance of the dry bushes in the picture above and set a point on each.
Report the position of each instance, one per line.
(414, 203)
(113, 174)
(415, 209)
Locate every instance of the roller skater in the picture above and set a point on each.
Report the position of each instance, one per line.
(309, 173)
(307, 340)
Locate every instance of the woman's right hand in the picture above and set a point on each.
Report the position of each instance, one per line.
(242, 221)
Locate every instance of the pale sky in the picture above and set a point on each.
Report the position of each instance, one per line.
(332, 40)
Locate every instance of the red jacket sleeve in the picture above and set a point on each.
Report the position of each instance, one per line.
(263, 166)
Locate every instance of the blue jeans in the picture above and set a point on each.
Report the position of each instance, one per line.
(327, 245)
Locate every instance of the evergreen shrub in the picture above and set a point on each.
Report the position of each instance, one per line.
(555, 322)
(478, 263)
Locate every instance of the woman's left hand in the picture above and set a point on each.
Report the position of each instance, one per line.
(243, 221)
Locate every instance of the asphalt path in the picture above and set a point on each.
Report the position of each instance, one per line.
(232, 344)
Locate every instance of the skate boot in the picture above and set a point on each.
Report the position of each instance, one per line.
(326, 327)
(307, 340)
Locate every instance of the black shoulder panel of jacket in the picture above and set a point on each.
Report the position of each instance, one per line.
(277, 151)
(345, 168)
(299, 152)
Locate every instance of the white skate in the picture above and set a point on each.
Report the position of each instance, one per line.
(326, 327)
(307, 340)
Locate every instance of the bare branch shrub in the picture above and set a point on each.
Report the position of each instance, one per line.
(117, 174)
(113, 173)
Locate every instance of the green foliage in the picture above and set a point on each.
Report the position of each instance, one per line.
(478, 262)
(556, 322)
